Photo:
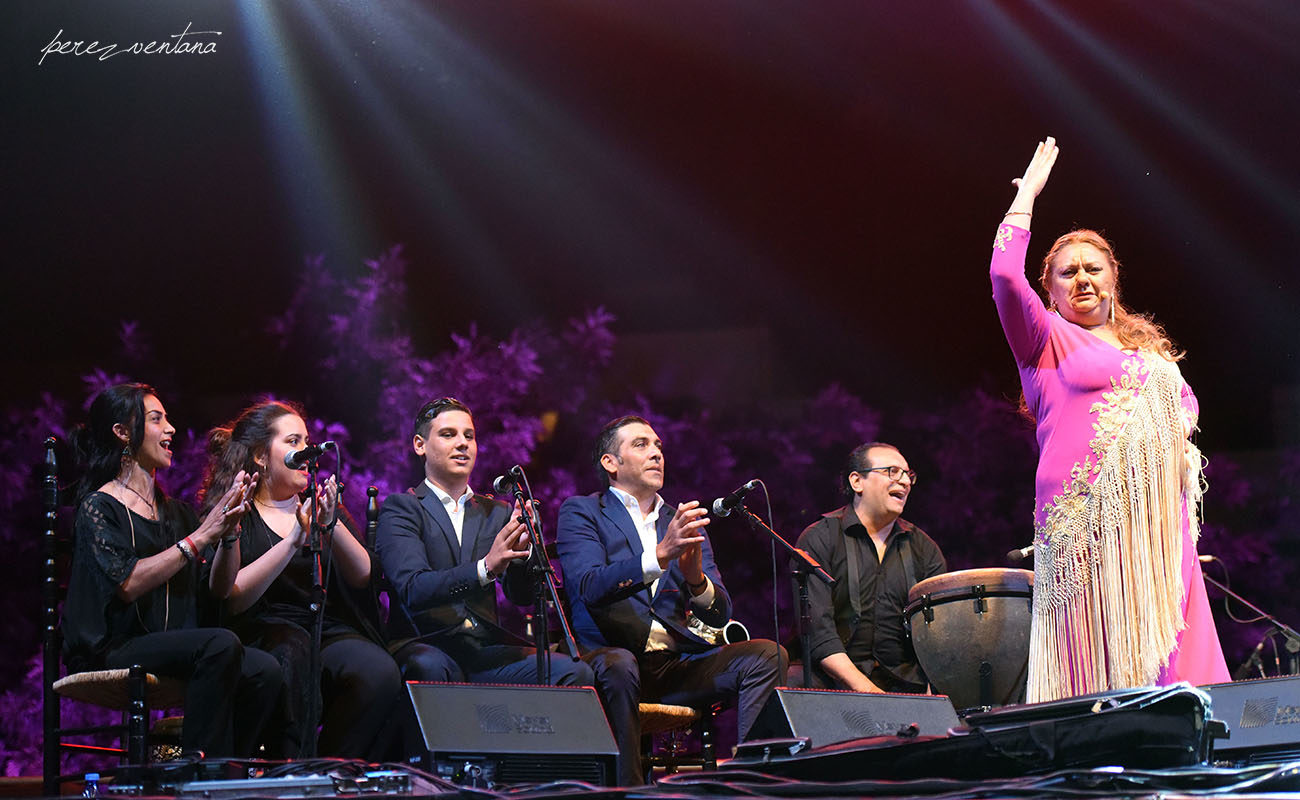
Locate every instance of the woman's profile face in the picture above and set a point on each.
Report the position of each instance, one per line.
(155, 450)
(1081, 284)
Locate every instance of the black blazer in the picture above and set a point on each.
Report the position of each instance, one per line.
(435, 581)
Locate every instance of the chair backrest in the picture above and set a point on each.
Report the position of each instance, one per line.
(126, 690)
(51, 638)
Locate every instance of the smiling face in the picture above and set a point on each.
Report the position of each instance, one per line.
(288, 434)
(875, 496)
(155, 450)
(637, 464)
(1080, 280)
(449, 451)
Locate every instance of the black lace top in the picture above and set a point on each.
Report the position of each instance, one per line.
(108, 541)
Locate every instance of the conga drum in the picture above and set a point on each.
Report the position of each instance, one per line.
(970, 630)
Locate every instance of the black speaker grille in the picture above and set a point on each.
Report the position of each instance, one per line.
(541, 769)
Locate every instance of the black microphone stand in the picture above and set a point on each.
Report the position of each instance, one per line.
(317, 603)
(804, 565)
(1292, 636)
(539, 565)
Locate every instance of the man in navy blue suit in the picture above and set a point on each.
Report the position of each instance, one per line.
(443, 549)
(635, 568)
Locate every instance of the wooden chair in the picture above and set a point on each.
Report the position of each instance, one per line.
(132, 691)
(674, 725)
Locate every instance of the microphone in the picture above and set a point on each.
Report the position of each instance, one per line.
(723, 506)
(1020, 553)
(1251, 663)
(1207, 559)
(296, 459)
(504, 484)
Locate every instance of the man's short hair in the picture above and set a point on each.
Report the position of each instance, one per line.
(858, 462)
(607, 441)
(430, 411)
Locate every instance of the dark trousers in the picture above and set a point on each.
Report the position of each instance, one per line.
(360, 690)
(741, 674)
(232, 689)
(612, 671)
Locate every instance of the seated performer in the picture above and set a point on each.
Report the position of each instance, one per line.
(270, 603)
(443, 548)
(635, 568)
(136, 595)
(875, 557)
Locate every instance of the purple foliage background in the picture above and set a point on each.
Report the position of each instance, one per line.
(539, 394)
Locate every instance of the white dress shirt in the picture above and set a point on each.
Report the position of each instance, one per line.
(660, 638)
(455, 508)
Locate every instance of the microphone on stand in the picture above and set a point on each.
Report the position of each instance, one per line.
(723, 506)
(1020, 553)
(372, 515)
(297, 459)
(504, 484)
(1249, 665)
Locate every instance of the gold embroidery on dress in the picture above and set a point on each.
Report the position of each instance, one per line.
(1116, 406)
(1108, 577)
(1004, 236)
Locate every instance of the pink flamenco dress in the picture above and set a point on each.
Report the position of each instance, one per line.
(1119, 599)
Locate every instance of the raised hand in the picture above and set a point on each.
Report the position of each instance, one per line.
(1040, 167)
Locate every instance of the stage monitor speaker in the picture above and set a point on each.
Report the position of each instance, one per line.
(826, 717)
(1263, 719)
(485, 735)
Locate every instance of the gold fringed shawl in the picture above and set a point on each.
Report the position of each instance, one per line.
(1108, 585)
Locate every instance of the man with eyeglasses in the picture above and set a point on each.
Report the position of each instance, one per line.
(875, 556)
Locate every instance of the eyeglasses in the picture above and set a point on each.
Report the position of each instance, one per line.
(895, 473)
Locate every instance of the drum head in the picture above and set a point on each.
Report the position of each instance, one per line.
(962, 582)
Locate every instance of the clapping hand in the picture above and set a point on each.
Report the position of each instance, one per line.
(325, 500)
(227, 511)
(682, 540)
(510, 544)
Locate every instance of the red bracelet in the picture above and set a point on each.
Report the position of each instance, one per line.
(190, 542)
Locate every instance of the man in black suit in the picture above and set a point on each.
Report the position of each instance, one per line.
(443, 548)
(637, 568)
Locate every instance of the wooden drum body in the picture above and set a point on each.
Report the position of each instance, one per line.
(970, 629)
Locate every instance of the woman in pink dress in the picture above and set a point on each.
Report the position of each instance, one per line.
(1119, 600)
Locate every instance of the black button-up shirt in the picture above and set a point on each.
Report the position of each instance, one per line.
(878, 638)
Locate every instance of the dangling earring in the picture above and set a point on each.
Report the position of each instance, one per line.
(1112, 310)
